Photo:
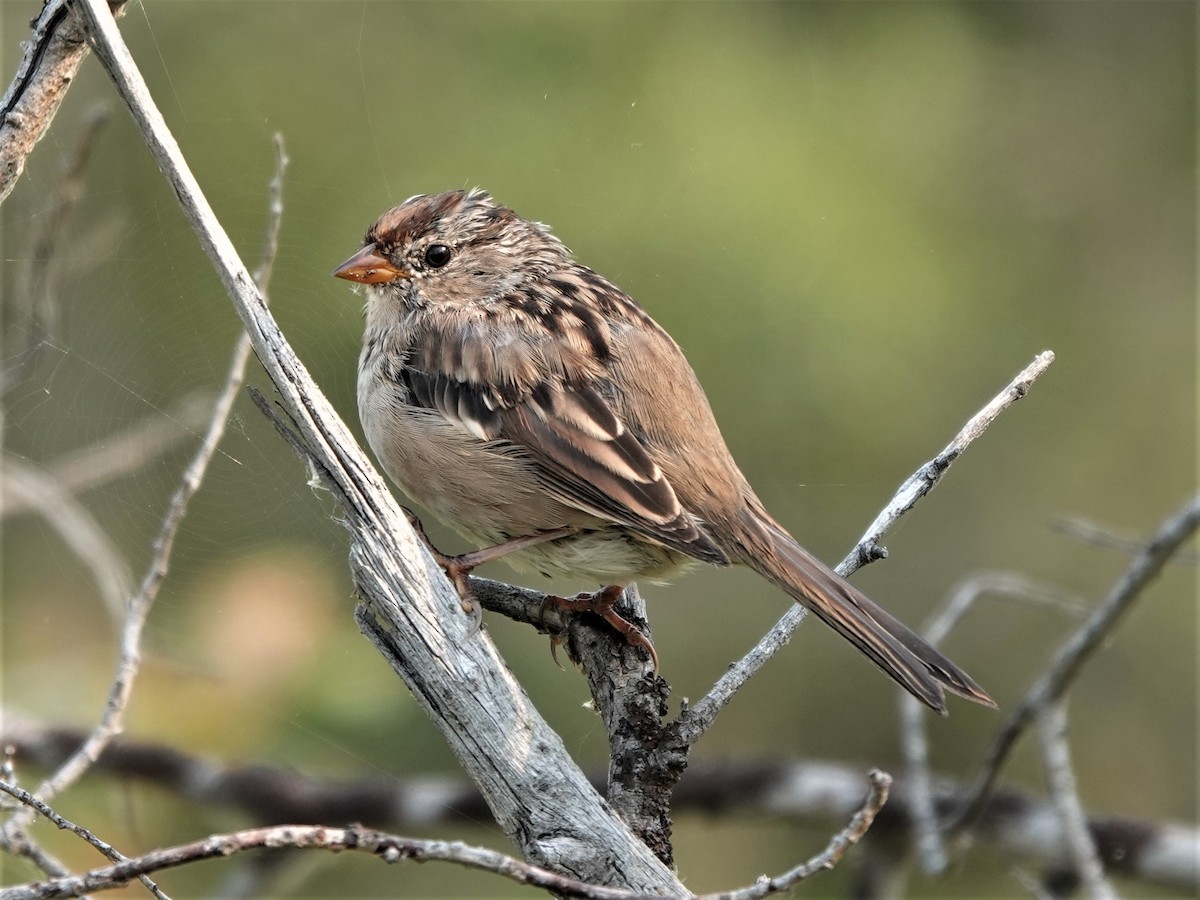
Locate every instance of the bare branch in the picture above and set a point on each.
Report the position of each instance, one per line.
(631, 699)
(393, 848)
(38, 805)
(388, 847)
(925, 479)
(1070, 658)
(913, 738)
(112, 721)
(52, 57)
(31, 308)
(810, 791)
(831, 855)
(410, 610)
(1056, 756)
(120, 453)
(694, 722)
(27, 487)
(1109, 538)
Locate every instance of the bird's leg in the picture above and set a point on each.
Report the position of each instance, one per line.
(458, 568)
(602, 603)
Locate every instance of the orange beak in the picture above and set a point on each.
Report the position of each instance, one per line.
(368, 267)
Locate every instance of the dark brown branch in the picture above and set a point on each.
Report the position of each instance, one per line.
(631, 699)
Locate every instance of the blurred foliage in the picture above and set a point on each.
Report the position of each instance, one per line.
(860, 220)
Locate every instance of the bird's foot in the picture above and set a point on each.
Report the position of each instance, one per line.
(603, 603)
(459, 568)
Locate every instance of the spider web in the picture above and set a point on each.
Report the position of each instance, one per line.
(803, 189)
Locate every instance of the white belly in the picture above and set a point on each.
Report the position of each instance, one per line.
(490, 492)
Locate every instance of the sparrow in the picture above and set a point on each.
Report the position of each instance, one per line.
(537, 409)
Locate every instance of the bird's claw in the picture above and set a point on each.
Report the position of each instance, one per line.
(602, 603)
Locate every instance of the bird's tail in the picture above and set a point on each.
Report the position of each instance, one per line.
(903, 654)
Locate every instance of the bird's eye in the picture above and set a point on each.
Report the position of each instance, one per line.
(437, 255)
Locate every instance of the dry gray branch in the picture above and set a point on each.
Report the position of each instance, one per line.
(813, 792)
(926, 478)
(36, 804)
(537, 794)
(393, 848)
(52, 57)
(1056, 757)
(119, 453)
(881, 782)
(914, 741)
(1076, 651)
(694, 722)
(137, 607)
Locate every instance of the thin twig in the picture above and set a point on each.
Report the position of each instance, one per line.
(32, 307)
(393, 849)
(121, 452)
(914, 740)
(29, 487)
(539, 797)
(112, 720)
(388, 847)
(1056, 757)
(1098, 535)
(1017, 826)
(1076, 651)
(925, 479)
(40, 806)
(692, 723)
(827, 858)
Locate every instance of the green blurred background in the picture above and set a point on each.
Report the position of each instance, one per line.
(859, 220)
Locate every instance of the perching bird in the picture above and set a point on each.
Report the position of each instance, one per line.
(517, 394)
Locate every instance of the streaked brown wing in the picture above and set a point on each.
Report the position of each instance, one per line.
(587, 458)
